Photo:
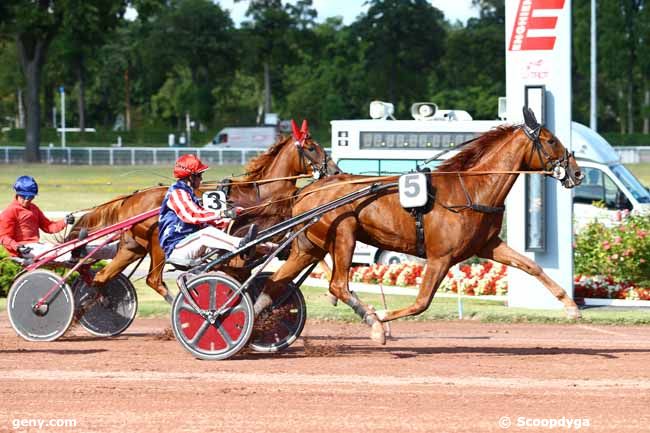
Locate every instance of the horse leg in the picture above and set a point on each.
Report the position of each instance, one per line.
(155, 274)
(328, 273)
(499, 251)
(122, 259)
(278, 282)
(341, 251)
(436, 271)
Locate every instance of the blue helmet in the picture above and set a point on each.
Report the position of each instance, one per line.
(26, 186)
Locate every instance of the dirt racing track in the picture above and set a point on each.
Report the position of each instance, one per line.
(434, 377)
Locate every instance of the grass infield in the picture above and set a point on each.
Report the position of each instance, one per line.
(318, 307)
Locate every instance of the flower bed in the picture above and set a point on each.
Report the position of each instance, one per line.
(607, 288)
(485, 278)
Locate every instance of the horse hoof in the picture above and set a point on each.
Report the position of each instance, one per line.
(377, 333)
(333, 299)
(381, 314)
(169, 299)
(573, 313)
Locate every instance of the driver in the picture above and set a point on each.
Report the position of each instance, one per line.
(21, 220)
(185, 229)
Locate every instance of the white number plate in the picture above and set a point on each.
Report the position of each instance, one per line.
(214, 200)
(413, 190)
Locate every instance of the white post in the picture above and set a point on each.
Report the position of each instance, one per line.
(62, 91)
(188, 129)
(593, 111)
(538, 53)
(90, 156)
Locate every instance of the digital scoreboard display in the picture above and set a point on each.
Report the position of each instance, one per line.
(413, 140)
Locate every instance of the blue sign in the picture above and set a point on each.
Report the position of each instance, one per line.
(61, 89)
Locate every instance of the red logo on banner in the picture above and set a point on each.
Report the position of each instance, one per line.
(521, 40)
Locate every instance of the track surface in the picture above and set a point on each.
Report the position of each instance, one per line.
(436, 376)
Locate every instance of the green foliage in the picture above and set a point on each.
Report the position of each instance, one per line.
(187, 56)
(618, 139)
(8, 271)
(402, 42)
(622, 251)
(152, 137)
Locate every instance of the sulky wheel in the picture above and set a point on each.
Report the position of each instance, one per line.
(108, 311)
(231, 328)
(278, 326)
(49, 321)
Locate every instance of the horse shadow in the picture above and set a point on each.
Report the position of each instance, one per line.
(337, 348)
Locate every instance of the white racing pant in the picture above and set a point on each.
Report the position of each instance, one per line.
(197, 244)
(106, 252)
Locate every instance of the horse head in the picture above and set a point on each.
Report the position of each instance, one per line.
(311, 152)
(549, 153)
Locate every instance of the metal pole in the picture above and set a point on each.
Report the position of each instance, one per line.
(593, 111)
(459, 290)
(188, 129)
(62, 90)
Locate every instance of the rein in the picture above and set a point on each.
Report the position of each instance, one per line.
(477, 207)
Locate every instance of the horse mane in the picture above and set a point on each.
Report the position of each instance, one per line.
(472, 154)
(257, 166)
(103, 215)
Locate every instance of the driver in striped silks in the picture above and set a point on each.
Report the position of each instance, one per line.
(185, 229)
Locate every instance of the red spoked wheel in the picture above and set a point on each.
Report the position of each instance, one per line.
(227, 331)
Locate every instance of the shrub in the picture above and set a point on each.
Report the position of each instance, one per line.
(8, 271)
(621, 252)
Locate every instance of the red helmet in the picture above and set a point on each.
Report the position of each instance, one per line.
(187, 165)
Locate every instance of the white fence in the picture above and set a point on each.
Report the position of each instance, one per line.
(633, 154)
(167, 155)
(130, 155)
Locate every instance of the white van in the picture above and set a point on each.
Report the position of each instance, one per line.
(244, 137)
(382, 147)
(608, 186)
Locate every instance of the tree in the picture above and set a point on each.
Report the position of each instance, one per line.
(474, 64)
(33, 25)
(404, 44)
(86, 26)
(271, 39)
(11, 86)
(200, 36)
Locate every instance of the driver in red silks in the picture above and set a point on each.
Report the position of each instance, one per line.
(21, 220)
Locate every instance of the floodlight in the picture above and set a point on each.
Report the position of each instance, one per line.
(381, 110)
(423, 110)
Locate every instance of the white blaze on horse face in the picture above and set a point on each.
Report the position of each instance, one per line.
(559, 172)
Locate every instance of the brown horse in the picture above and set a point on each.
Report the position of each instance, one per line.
(289, 157)
(463, 219)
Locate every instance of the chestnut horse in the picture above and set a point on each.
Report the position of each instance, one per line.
(289, 157)
(463, 218)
